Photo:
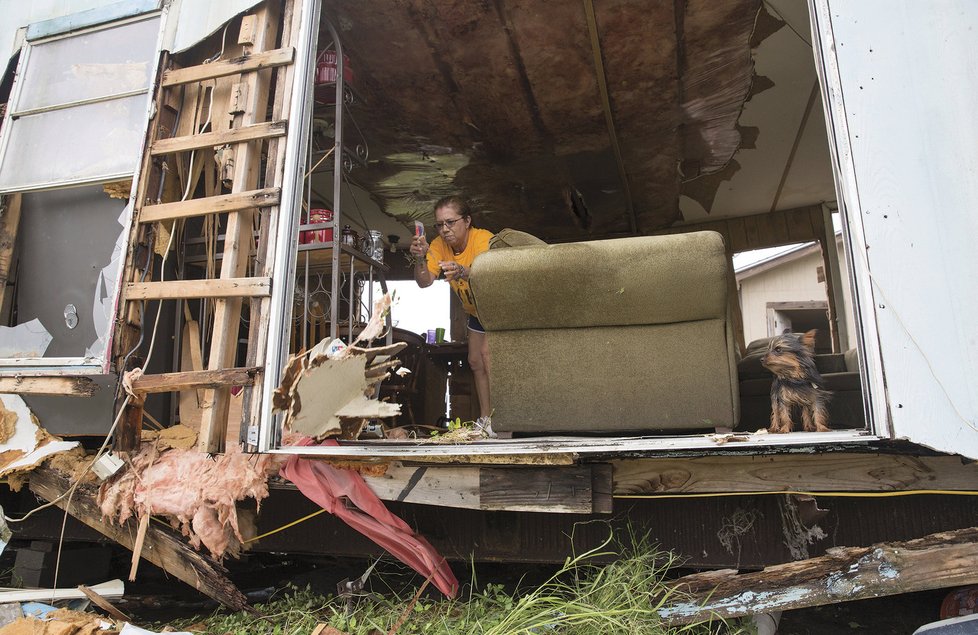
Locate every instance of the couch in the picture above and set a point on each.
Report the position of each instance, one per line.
(616, 336)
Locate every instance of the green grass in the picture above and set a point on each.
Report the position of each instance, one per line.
(582, 598)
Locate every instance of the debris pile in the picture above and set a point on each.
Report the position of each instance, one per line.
(328, 391)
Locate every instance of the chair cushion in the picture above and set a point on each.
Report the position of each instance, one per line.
(625, 281)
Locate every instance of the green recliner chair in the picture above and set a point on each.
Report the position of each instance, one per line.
(618, 336)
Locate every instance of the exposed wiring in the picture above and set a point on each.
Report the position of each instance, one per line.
(286, 526)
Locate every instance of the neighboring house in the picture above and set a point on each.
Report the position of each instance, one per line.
(785, 290)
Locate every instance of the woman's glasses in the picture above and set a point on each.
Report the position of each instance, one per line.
(447, 223)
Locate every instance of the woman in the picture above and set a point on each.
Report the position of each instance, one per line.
(452, 253)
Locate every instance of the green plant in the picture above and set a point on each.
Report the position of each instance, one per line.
(587, 595)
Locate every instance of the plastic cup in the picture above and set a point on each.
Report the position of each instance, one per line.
(440, 335)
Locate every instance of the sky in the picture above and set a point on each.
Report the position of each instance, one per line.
(416, 309)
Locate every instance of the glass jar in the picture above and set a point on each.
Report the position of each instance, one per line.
(374, 245)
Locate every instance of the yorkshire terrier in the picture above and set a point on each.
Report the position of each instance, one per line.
(797, 382)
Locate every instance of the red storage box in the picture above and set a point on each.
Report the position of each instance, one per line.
(317, 216)
(326, 68)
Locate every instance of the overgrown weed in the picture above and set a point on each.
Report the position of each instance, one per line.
(584, 597)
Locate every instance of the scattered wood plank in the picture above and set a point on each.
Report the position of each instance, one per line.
(266, 130)
(242, 64)
(192, 289)
(161, 547)
(63, 386)
(210, 205)
(829, 472)
(195, 379)
(936, 561)
(103, 604)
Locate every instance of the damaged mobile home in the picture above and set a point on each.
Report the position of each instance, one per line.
(184, 190)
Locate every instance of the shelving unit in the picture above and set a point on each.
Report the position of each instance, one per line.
(343, 265)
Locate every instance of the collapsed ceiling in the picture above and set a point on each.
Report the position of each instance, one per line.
(502, 101)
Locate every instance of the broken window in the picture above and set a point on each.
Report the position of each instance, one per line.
(78, 112)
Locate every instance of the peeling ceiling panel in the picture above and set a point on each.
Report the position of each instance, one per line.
(196, 20)
(509, 90)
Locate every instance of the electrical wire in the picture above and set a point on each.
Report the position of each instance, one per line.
(286, 526)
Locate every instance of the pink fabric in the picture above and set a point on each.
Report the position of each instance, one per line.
(331, 488)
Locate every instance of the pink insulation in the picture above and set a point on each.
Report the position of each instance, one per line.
(195, 490)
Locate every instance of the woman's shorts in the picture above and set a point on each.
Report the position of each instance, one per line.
(475, 325)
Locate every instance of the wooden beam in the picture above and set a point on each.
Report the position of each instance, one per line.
(185, 289)
(828, 472)
(61, 385)
(238, 243)
(845, 573)
(563, 490)
(578, 489)
(9, 224)
(191, 380)
(266, 130)
(243, 64)
(211, 205)
(161, 547)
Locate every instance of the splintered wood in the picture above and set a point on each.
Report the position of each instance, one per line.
(161, 547)
(845, 573)
(328, 392)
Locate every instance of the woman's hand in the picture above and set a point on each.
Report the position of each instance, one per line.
(419, 247)
(453, 270)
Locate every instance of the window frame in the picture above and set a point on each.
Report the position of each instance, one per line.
(100, 364)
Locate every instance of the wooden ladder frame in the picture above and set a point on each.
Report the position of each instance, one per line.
(246, 90)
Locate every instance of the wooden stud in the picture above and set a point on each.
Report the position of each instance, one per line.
(9, 224)
(191, 380)
(251, 132)
(210, 205)
(238, 242)
(243, 64)
(59, 385)
(268, 224)
(189, 289)
(248, 30)
(161, 547)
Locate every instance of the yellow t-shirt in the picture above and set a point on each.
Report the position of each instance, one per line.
(439, 251)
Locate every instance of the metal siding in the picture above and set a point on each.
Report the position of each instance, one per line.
(196, 20)
(907, 84)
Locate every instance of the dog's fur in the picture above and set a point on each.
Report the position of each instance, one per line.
(797, 383)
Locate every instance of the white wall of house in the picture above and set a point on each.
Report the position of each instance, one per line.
(790, 278)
